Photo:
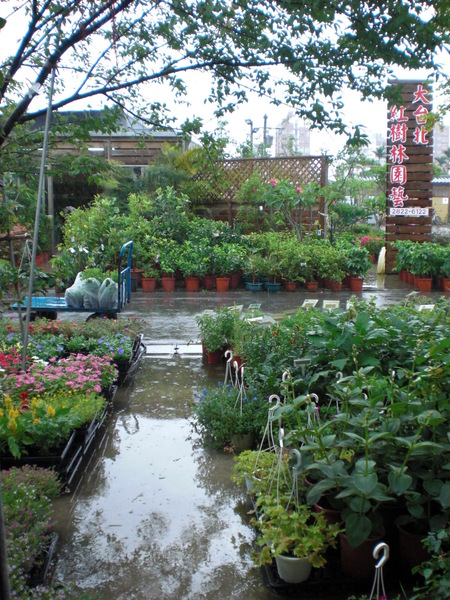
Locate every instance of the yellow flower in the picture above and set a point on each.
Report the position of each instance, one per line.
(1, 413)
(34, 403)
(50, 411)
(13, 413)
(12, 425)
(36, 420)
(8, 403)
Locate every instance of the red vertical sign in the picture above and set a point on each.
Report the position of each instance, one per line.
(409, 170)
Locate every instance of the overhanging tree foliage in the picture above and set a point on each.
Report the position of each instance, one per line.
(112, 47)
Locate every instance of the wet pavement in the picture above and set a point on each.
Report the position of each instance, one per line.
(155, 515)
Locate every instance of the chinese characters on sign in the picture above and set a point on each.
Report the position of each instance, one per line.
(409, 152)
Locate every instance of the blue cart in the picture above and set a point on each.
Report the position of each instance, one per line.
(49, 306)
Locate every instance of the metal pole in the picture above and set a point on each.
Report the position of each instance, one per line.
(36, 219)
(250, 122)
(265, 136)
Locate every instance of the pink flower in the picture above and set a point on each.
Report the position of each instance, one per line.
(273, 182)
(299, 190)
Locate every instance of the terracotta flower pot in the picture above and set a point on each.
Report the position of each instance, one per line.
(446, 284)
(148, 284)
(356, 284)
(192, 284)
(312, 286)
(168, 284)
(335, 286)
(290, 286)
(234, 280)
(222, 284)
(209, 282)
(215, 357)
(425, 284)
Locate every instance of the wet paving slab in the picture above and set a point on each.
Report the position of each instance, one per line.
(155, 515)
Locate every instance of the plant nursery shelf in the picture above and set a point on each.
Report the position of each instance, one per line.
(128, 367)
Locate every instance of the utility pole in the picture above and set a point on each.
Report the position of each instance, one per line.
(265, 136)
(250, 122)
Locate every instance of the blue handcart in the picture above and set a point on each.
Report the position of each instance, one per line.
(49, 306)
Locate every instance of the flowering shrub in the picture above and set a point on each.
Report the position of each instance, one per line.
(372, 244)
(86, 373)
(44, 422)
(10, 361)
(219, 414)
(118, 346)
(27, 494)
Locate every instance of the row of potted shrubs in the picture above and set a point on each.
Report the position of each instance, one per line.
(423, 264)
(272, 258)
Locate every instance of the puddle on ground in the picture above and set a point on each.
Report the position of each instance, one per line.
(156, 515)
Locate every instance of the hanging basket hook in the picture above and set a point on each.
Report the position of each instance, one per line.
(383, 547)
(295, 454)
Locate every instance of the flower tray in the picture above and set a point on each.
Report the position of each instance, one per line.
(67, 460)
(38, 575)
(128, 367)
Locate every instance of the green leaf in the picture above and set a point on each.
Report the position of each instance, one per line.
(365, 483)
(360, 505)
(399, 482)
(339, 364)
(317, 490)
(433, 486)
(357, 528)
(444, 496)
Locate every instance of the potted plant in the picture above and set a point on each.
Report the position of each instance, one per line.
(192, 263)
(168, 252)
(222, 415)
(255, 268)
(296, 537)
(237, 255)
(356, 264)
(222, 265)
(424, 264)
(215, 331)
(444, 271)
(372, 244)
(149, 278)
(291, 264)
(271, 270)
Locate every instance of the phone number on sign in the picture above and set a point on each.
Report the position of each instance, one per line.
(408, 212)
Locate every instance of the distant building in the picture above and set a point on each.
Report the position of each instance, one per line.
(292, 138)
(441, 141)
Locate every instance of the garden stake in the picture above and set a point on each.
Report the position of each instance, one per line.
(378, 582)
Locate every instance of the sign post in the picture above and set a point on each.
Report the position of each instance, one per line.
(409, 168)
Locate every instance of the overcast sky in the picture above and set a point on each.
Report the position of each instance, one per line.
(372, 115)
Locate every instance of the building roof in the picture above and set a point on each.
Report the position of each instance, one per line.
(127, 128)
(441, 180)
